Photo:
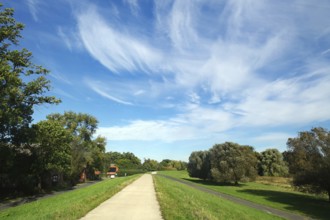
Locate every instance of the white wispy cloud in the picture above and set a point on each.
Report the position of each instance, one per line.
(115, 49)
(166, 131)
(273, 136)
(102, 90)
(246, 63)
(194, 123)
(64, 93)
(134, 6)
(64, 37)
(60, 77)
(34, 7)
(70, 38)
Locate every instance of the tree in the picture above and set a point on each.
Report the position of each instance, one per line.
(98, 153)
(22, 87)
(18, 96)
(52, 152)
(310, 163)
(179, 165)
(86, 152)
(271, 163)
(80, 125)
(165, 164)
(168, 164)
(129, 161)
(150, 165)
(124, 160)
(112, 157)
(199, 165)
(288, 158)
(232, 162)
(135, 161)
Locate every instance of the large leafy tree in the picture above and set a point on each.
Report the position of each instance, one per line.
(199, 165)
(87, 154)
(179, 165)
(150, 165)
(310, 159)
(51, 151)
(231, 162)
(271, 163)
(126, 160)
(22, 83)
(129, 161)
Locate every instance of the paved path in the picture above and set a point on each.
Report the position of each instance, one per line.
(137, 201)
(283, 214)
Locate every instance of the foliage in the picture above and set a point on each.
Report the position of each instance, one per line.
(150, 165)
(52, 151)
(86, 153)
(124, 160)
(22, 83)
(168, 164)
(271, 163)
(179, 165)
(23, 86)
(232, 162)
(79, 125)
(199, 165)
(310, 161)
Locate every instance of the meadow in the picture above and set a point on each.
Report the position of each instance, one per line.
(276, 194)
(178, 201)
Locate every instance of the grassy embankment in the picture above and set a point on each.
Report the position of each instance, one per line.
(178, 201)
(278, 195)
(70, 205)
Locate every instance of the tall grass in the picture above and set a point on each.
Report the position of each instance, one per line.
(178, 201)
(71, 205)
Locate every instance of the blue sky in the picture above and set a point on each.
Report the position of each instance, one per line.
(165, 78)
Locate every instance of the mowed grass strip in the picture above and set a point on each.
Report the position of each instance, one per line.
(178, 201)
(71, 205)
(275, 196)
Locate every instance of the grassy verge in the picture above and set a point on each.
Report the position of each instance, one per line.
(178, 201)
(70, 205)
(276, 196)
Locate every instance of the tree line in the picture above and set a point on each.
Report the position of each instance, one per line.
(129, 163)
(307, 161)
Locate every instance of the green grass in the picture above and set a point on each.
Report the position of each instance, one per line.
(71, 205)
(178, 201)
(283, 198)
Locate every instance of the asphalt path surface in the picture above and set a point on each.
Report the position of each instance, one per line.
(273, 211)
